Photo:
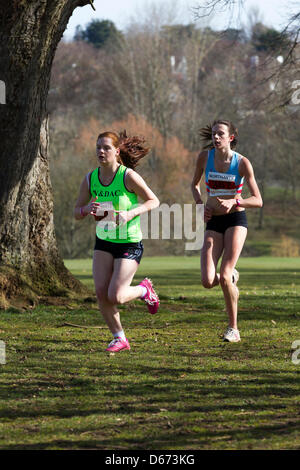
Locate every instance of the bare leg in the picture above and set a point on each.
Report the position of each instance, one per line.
(210, 254)
(103, 263)
(120, 290)
(234, 240)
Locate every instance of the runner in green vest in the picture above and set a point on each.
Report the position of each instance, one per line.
(110, 193)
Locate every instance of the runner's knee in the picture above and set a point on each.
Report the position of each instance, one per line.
(116, 295)
(225, 279)
(208, 283)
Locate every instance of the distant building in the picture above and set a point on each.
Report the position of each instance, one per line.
(254, 61)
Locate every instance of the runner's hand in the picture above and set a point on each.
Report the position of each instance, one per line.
(226, 204)
(122, 217)
(91, 207)
(207, 213)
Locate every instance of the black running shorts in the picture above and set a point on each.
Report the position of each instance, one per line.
(121, 250)
(220, 223)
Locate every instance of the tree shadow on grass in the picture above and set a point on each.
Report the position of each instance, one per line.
(161, 403)
(180, 405)
(173, 435)
(188, 417)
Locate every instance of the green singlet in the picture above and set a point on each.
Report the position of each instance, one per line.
(121, 199)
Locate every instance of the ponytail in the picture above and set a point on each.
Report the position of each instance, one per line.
(132, 149)
(206, 134)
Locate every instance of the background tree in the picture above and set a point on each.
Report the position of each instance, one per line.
(69, 166)
(269, 39)
(285, 42)
(30, 264)
(99, 33)
(166, 81)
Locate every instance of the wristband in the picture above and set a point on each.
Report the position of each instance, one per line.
(238, 202)
(82, 213)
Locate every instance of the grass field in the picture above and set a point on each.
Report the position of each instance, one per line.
(180, 386)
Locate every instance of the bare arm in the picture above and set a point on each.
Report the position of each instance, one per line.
(195, 186)
(135, 183)
(83, 205)
(254, 200)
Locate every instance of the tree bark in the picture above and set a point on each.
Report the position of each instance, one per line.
(30, 264)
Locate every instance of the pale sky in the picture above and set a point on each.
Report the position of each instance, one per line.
(274, 13)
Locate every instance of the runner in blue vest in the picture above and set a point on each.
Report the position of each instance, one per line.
(225, 171)
(110, 194)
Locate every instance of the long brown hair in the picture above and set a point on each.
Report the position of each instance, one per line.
(132, 149)
(206, 133)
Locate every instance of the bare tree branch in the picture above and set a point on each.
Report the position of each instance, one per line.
(211, 6)
(271, 72)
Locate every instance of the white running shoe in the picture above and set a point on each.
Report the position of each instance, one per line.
(235, 276)
(232, 335)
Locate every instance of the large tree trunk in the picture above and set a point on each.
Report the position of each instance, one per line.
(30, 264)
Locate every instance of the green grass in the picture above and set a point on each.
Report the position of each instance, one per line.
(180, 386)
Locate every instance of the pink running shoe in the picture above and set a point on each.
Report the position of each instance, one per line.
(118, 344)
(151, 297)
